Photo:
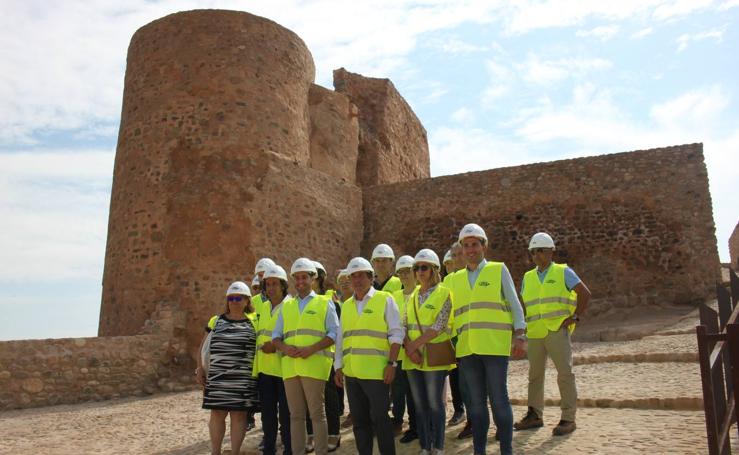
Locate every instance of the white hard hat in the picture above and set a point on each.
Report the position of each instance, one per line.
(255, 280)
(427, 255)
(404, 262)
(448, 256)
(319, 266)
(303, 265)
(262, 265)
(383, 251)
(541, 240)
(359, 264)
(472, 230)
(238, 287)
(342, 272)
(275, 272)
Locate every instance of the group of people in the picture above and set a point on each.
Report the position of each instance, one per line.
(388, 338)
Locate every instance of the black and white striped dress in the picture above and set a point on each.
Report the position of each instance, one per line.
(229, 385)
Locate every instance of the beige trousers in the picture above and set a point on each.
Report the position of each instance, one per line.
(307, 395)
(558, 347)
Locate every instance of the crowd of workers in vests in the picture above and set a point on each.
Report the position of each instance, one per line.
(388, 337)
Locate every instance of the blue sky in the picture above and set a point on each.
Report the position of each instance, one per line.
(495, 83)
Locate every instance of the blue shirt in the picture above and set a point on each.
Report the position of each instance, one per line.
(571, 278)
(332, 321)
(507, 291)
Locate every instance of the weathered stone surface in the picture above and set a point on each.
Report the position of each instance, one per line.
(205, 93)
(734, 248)
(122, 365)
(640, 241)
(334, 134)
(393, 146)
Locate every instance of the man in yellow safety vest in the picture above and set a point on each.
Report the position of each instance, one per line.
(555, 298)
(366, 355)
(488, 320)
(305, 332)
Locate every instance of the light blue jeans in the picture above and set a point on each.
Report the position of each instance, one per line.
(427, 388)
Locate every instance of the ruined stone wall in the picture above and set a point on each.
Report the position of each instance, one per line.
(334, 136)
(734, 248)
(637, 227)
(71, 370)
(393, 146)
(211, 168)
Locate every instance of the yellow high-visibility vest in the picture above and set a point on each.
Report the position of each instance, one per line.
(548, 303)
(366, 349)
(402, 300)
(482, 320)
(392, 285)
(270, 364)
(427, 314)
(305, 329)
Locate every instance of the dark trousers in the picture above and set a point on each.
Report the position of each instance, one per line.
(273, 398)
(454, 384)
(400, 391)
(333, 408)
(487, 376)
(369, 400)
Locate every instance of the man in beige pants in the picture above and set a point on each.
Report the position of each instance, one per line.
(554, 298)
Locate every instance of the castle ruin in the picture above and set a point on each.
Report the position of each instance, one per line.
(228, 152)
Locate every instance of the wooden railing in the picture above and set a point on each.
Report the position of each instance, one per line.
(718, 354)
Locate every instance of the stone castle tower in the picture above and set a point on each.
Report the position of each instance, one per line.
(228, 152)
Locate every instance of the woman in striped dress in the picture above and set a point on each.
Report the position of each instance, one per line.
(228, 382)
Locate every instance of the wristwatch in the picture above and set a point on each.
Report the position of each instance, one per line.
(575, 317)
(393, 363)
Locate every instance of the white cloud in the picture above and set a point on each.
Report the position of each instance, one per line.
(727, 5)
(463, 115)
(642, 33)
(670, 10)
(684, 39)
(538, 71)
(697, 110)
(457, 46)
(53, 214)
(603, 33)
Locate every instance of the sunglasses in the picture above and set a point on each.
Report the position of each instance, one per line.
(539, 250)
(236, 298)
(422, 268)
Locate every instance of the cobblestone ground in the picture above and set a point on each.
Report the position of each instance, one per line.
(622, 410)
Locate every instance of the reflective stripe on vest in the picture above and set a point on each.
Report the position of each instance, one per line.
(547, 303)
(303, 329)
(270, 364)
(427, 314)
(365, 349)
(402, 301)
(482, 320)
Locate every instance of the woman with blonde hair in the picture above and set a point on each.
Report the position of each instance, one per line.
(226, 373)
(429, 351)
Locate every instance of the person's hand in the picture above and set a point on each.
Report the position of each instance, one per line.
(339, 378)
(415, 357)
(291, 351)
(305, 352)
(566, 323)
(412, 346)
(389, 374)
(519, 348)
(269, 348)
(200, 377)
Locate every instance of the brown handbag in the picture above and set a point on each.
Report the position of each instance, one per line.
(437, 354)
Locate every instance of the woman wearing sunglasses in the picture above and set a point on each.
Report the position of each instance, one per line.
(427, 324)
(229, 386)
